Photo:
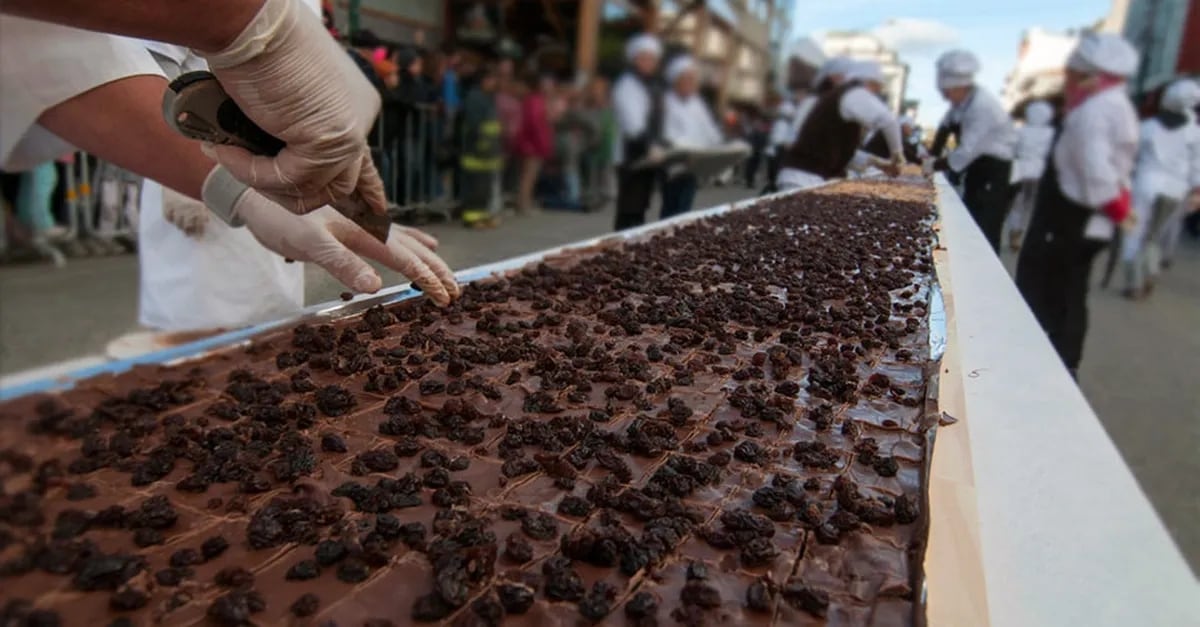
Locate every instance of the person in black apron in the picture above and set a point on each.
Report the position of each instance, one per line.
(638, 103)
(986, 139)
(1080, 197)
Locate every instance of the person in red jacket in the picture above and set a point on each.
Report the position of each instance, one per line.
(534, 140)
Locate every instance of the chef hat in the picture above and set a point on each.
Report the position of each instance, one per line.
(680, 65)
(956, 68)
(865, 71)
(1104, 53)
(643, 43)
(1181, 96)
(808, 52)
(787, 109)
(836, 66)
(1039, 113)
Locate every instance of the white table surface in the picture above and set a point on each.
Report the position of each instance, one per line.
(1068, 537)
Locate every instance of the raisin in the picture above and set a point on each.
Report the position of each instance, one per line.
(407, 447)
(184, 558)
(758, 597)
(429, 608)
(233, 577)
(330, 552)
(517, 549)
(572, 505)
(907, 510)
(700, 595)
(413, 534)
(235, 608)
(128, 599)
(334, 400)
(213, 547)
(811, 600)
(641, 605)
(353, 570)
(169, 577)
(515, 597)
(306, 605)
(886, 466)
(303, 571)
(333, 443)
(598, 602)
(145, 537)
(378, 460)
(540, 526)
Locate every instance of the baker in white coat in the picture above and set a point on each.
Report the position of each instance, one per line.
(637, 103)
(831, 76)
(1033, 147)
(986, 139)
(832, 133)
(1084, 193)
(1167, 171)
(195, 270)
(687, 123)
(103, 94)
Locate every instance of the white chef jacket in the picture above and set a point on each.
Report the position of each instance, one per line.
(985, 129)
(1168, 160)
(42, 65)
(1033, 147)
(868, 110)
(221, 279)
(631, 105)
(687, 122)
(804, 108)
(1095, 152)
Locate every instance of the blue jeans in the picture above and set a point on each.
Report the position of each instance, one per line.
(678, 194)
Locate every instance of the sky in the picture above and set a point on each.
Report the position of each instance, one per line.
(921, 30)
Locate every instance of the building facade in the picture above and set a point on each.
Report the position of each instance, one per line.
(1165, 32)
(867, 47)
(1040, 70)
(731, 40)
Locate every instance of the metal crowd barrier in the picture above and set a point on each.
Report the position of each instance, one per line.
(413, 179)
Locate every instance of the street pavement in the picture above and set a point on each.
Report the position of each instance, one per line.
(1140, 367)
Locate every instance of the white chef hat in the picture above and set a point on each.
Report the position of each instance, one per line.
(787, 109)
(865, 71)
(808, 52)
(679, 66)
(1181, 96)
(1039, 113)
(644, 42)
(957, 68)
(836, 66)
(1104, 53)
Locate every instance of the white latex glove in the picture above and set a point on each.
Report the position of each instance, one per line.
(927, 168)
(294, 81)
(189, 216)
(330, 240)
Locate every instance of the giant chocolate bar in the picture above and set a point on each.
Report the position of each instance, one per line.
(720, 424)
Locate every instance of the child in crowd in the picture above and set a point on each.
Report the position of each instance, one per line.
(535, 138)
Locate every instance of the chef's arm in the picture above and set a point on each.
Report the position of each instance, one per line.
(939, 141)
(860, 105)
(121, 122)
(209, 25)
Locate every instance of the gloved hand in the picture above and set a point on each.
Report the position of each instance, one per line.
(294, 81)
(189, 216)
(894, 167)
(330, 240)
(1119, 208)
(927, 168)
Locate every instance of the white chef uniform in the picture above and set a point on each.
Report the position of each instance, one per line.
(222, 278)
(1168, 168)
(687, 122)
(42, 65)
(1034, 140)
(863, 107)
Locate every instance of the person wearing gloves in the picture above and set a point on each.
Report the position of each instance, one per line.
(831, 76)
(1084, 193)
(687, 123)
(832, 133)
(1033, 147)
(1166, 173)
(638, 103)
(111, 106)
(986, 139)
(194, 270)
(273, 57)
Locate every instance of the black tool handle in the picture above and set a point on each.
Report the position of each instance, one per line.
(233, 121)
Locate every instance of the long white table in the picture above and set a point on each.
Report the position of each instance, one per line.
(1067, 536)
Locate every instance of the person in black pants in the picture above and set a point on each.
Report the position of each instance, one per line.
(986, 141)
(1084, 193)
(638, 102)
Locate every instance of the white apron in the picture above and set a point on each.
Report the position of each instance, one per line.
(223, 279)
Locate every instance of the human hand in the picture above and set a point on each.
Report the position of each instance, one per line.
(330, 240)
(290, 77)
(927, 168)
(188, 215)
